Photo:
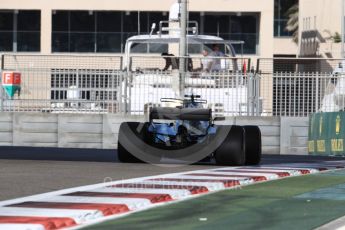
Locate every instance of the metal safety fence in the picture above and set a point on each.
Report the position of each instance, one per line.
(64, 84)
(299, 87)
(116, 84)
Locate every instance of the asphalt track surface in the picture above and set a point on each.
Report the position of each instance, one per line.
(27, 171)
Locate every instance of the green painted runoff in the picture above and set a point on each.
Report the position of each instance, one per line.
(270, 205)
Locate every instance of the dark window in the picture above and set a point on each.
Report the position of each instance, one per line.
(73, 31)
(109, 21)
(61, 42)
(195, 16)
(244, 28)
(130, 22)
(109, 42)
(156, 17)
(28, 34)
(21, 28)
(145, 27)
(28, 41)
(109, 31)
(6, 21)
(280, 16)
(99, 31)
(211, 24)
(233, 27)
(60, 21)
(6, 41)
(60, 34)
(82, 42)
(82, 21)
(6, 30)
(29, 20)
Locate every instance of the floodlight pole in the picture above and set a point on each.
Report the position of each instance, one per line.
(183, 45)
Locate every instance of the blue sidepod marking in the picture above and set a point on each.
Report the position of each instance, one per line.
(197, 130)
(163, 131)
(212, 129)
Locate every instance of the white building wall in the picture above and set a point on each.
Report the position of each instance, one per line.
(265, 8)
(323, 16)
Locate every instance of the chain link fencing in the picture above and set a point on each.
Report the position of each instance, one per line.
(64, 83)
(231, 86)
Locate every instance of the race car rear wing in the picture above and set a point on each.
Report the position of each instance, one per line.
(189, 114)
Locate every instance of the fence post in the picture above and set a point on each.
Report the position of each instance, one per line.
(250, 95)
(317, 94)
(121, 63)
(257, 94)
(1, 88)
(128, 91)
(248, 92)
(257, 65)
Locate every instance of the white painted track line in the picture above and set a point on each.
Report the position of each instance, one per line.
(21, 227)
(132, 203)
(174, 193)
(269, 176)
(211, 186)
(206, 177)
(79, 216)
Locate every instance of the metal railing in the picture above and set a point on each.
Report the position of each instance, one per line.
(298, 94)
(296, 87)
(65, 84)
(107, 84)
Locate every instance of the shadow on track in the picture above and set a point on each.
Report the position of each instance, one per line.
(58, 154)
(110, 155)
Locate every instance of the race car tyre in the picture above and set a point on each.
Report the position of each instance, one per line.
(123, 154)
(231, 151)
(252, 141)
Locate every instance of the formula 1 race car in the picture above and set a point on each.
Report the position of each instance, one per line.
(192, 136)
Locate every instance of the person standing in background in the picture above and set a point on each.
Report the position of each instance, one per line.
(206, 62)
(216, 61)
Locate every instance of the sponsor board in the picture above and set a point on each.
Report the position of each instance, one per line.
(327, 134)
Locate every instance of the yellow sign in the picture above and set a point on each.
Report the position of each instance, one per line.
(320, 125)
(337, 125)
(337, 145)
(321, 147)
(311, 146)
(311, 125)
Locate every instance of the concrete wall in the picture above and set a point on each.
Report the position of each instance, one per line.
(279, 135)
(294, 135)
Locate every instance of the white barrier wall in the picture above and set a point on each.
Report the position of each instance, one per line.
(280, 135)
(294, 135)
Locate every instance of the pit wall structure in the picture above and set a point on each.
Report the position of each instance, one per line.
(280, 135)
